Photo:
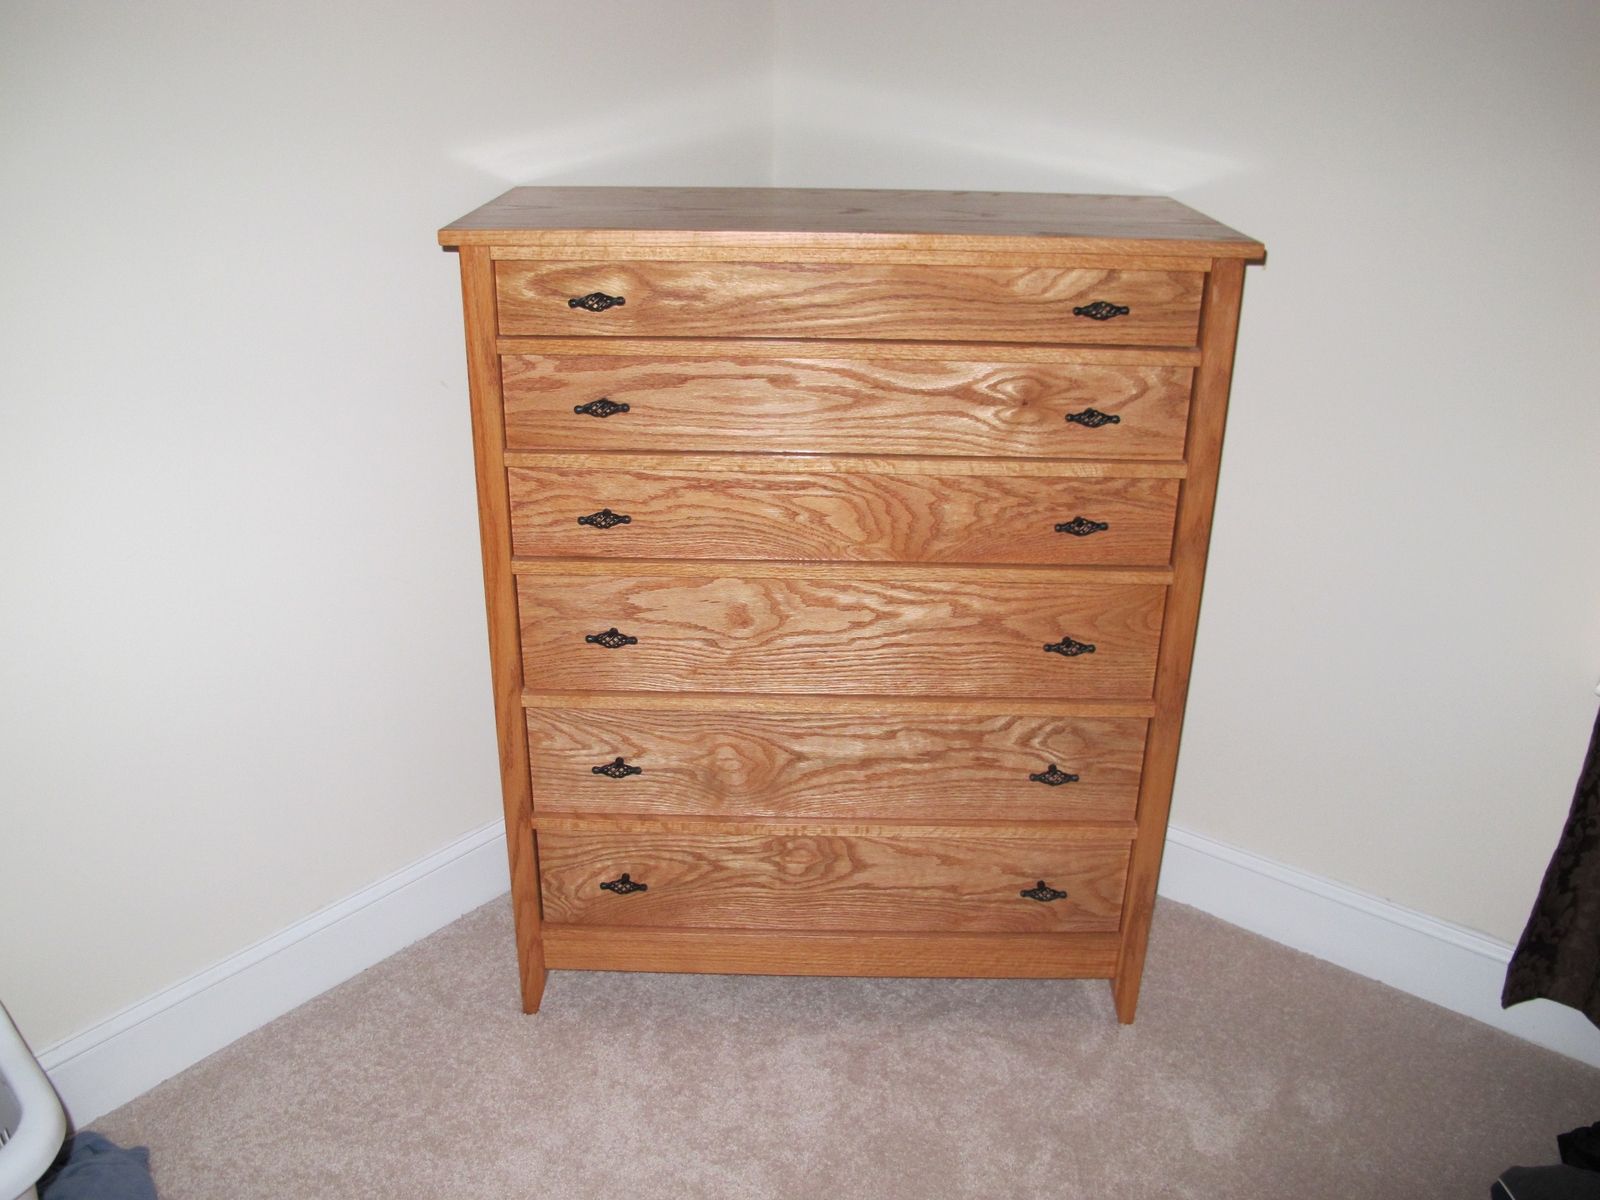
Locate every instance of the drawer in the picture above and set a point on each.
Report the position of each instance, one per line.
(781, 632)
(917, 302)
(763, 881)
(752, 511)
(845, 406)
(835, 765)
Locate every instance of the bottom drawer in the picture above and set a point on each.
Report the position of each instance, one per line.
(854, 883)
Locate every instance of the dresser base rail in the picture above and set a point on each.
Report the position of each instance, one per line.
(745, 952)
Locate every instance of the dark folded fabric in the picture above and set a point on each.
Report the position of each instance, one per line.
(1546, 1183)
(1581, 1147)
(96, 1168)
(1558, 956)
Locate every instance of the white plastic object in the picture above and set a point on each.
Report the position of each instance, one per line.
(32, 1125)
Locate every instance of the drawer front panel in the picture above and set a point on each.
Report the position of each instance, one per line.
(835, 766)
(848, 636)
(840, 516)
(843, 406)
(759, 881)
(849, 300)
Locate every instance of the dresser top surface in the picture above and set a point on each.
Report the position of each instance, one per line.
(830, 217)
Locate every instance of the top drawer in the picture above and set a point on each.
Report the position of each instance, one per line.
(919, 302)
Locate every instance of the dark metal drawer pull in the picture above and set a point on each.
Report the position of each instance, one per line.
(625, 886)
(617, 768)
(1042, 892)
(599, 302)
(1077, 527)
(1101, 310)
(1092, 418)
(1066, 647)
(608, 408)
(1055, 776)
(612, 640)
(606, 519)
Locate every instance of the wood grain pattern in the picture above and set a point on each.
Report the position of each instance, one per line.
(855, 572)
(817, 764)
(841, 464)
(831, 883)
(1099, 833)
(848, 300)
(835, 349)
(837, 517)
(798, 952)
(577, 247)
(840, 635)
(499, 589)
(859, 706)
(1033, 222)
(839, 406)
(1224, 293)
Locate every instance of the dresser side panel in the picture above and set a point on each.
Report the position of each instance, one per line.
(500, 599)
(1207, 415)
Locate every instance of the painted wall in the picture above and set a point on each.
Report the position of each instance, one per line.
(1393, 684)
(243, 670)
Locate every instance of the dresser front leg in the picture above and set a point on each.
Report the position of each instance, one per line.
(529, 928)
(1125, 994)
(533, 977)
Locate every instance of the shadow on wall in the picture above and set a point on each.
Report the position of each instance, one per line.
(838, 133)
(681, 138)
(842, 134)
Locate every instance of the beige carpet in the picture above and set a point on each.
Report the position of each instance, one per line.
(1253, 1071)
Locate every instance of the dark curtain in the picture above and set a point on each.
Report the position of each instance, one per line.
(1558, 957)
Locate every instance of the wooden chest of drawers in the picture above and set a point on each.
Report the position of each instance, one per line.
(843, 555)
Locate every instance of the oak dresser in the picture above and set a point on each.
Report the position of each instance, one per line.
(843, 555)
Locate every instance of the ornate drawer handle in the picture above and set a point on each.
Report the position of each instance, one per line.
(612, 640)
(626, 886)
(1054, 777)
(1077, 527)
(1066, 647)
(606, 519)
(1101, 310)
(608, 408)
(617, 768)
(1091, 418)
(1042, 892)
(599, 302)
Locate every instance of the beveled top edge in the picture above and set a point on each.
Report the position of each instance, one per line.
(834, 218)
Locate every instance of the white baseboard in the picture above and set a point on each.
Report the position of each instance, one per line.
(1453, 967)
(131, 1052)
(112, 1062)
